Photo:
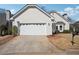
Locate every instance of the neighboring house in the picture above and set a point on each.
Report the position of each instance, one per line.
(62, 21)
(4, 21)
(76, 26)
(33, 20)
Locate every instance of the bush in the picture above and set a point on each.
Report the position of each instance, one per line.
(57, 31)
(66, 31)
(3, 30)
(14, 30)
(9, 30)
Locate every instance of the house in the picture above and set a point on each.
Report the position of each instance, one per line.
(4, 21)
(62, 21)
(33, 20)
(76, 27)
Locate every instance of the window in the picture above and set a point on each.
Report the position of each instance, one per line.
(60, 27)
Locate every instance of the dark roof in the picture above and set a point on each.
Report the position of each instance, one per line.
(64, 14)
(60, 23)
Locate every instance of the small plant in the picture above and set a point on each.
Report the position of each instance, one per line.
(14, 30)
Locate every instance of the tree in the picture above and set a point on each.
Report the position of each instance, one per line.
(3, 30)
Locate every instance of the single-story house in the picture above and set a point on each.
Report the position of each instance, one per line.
(33, 20)
(62, 21)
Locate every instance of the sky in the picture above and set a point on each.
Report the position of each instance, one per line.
(71, 9)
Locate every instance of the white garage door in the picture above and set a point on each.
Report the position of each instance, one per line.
(33, 29)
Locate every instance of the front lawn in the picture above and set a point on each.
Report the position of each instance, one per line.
(63, 41)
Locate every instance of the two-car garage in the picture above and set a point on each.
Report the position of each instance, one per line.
(33, 29)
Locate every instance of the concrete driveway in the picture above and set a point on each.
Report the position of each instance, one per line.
(29, 45)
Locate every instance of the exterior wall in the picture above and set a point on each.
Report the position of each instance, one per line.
(49, 28)
(33, 15)
(60, 19)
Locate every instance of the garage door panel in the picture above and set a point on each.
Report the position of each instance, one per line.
(33, 30)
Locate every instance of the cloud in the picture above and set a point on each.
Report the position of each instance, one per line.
(71, 11)
(12, 11)
(68, 9)
(77, 19)
(77, 8)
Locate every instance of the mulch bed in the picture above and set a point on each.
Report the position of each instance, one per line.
(4, 39)
(54, 36)
(60, 42)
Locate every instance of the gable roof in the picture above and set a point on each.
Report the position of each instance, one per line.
(31, 6)
(62, 16)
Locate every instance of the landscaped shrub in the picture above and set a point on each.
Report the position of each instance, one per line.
(66, 31)
(9, 31)
(57, 31)
(3, 30)
(76, 31)
(14, 30)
